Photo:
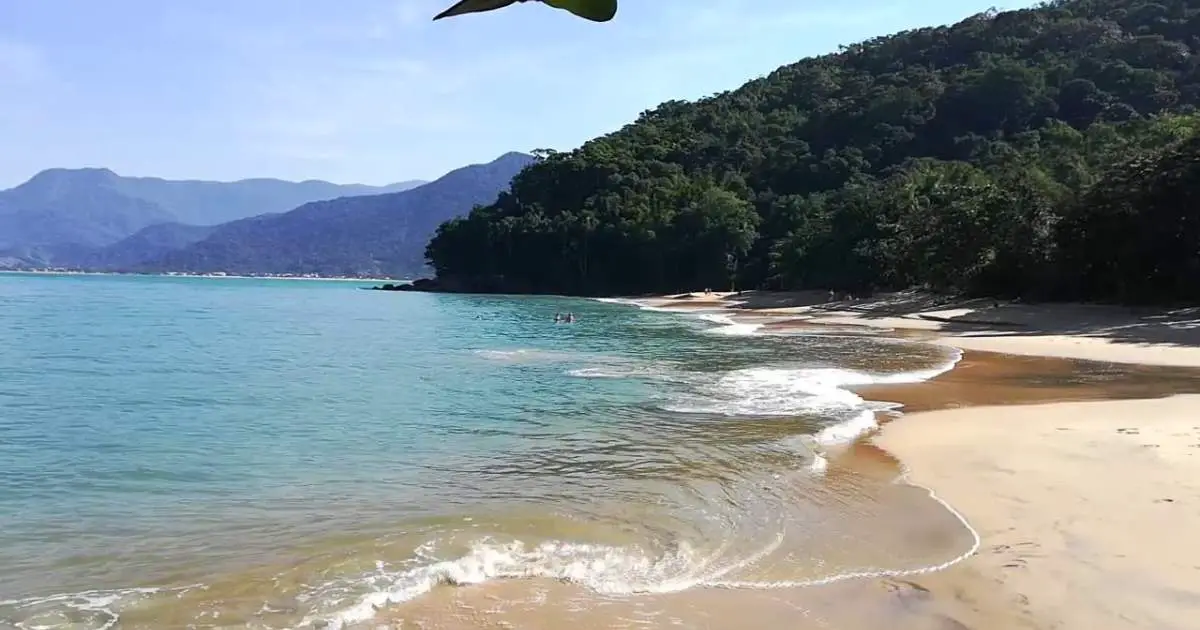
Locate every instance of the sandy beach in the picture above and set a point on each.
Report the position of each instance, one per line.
(1087, 511)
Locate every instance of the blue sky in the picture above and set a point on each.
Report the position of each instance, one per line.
(372, 91)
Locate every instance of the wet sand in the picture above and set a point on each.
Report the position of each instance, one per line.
(994, 379)
(893, 604)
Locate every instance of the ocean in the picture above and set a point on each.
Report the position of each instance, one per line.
(222, 452)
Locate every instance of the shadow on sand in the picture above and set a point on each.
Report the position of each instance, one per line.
(987, 317)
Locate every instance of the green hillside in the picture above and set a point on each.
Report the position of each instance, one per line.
(989, 156)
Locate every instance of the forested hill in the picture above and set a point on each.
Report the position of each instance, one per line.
(1015, 152)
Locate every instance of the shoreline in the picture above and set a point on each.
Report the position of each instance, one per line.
(1111, 334)
(1069, 480)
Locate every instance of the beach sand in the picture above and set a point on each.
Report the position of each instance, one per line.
(1079, 331)
(1088, 512)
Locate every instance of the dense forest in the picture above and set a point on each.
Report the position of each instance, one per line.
(1049, 152)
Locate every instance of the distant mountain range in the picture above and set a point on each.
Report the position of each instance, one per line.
(94, 219)
(376, 235)
(62, 209)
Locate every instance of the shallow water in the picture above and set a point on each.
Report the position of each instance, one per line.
(186, 452)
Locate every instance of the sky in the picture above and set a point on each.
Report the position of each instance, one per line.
(373, 91)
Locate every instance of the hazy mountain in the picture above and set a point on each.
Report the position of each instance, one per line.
(89, 208)
(84, 209)
(369, 235)
(212, 203)
(146, 244)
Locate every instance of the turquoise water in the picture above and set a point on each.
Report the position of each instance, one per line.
(198, 452)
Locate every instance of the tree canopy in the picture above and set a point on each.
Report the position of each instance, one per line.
(1048, 151)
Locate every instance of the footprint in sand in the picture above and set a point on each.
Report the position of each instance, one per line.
(1021, 546)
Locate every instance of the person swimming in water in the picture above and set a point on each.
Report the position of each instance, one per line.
(558, 318)
(570, 318)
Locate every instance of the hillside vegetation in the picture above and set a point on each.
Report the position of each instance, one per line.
(1049, 151)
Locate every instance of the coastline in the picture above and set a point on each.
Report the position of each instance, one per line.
(1113, 334)
(1089, 504)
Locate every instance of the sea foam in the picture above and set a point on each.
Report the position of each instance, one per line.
(99, 609)
(788, 391)
(603, 569)
(727, 326)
